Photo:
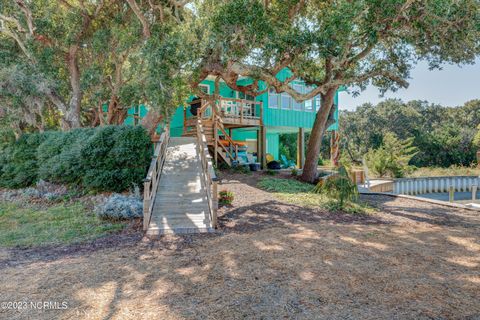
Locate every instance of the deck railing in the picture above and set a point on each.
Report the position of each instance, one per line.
(228, 108)
(208, 173)
(239, 108)
(153, 176)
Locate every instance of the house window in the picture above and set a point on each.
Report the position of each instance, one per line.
(242, 95)
(272, 99)
(309, 102)
(297, 105)
(309, 105)
(286, 101)
(317, 103)
(205, 88)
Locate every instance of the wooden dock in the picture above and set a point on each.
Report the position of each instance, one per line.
(181, 203)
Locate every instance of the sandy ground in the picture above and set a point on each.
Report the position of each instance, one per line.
(269, 260)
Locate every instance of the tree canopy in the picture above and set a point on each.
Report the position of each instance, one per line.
(443, 136)
(63, 61)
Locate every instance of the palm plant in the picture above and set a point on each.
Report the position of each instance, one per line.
(338, 186)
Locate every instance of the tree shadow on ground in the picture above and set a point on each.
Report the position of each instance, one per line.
(300, 263)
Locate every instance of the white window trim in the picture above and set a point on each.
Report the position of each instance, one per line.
(305, 109)
(302, 105)
(317, 105)
(290, 105)
(270, 97)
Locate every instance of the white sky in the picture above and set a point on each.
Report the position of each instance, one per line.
(451, 86)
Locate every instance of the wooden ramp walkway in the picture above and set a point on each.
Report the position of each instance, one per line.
(181, 204)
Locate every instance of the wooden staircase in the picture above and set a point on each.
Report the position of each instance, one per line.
(216, 117)
(213, 128)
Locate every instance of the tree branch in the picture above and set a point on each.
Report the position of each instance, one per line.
(143, 20)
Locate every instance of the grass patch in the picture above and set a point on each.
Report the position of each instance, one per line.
(299, 193)
(284, 185)
(59, 224)
(450, 171)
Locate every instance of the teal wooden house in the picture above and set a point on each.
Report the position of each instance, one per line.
(243, 128)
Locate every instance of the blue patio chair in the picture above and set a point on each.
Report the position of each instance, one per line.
(287, 163)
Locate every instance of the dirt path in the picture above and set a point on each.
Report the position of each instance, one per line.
(269, 260)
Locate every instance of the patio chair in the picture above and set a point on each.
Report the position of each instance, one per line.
(287, 163)
(269, 157)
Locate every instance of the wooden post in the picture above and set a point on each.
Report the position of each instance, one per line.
(263, 147)
(146, 205)
(184, 120)
(474, 192)
(259, 151)
(215, 142)
(301, 148)
(241, 111)
(261, 112)
(451, 193)
(214, 203)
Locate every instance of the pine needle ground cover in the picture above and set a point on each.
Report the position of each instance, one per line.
(269, 260)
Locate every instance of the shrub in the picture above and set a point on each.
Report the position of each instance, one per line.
(338, 186)
(5, 151)
(225, 197)
(120, 207)
(391, 158)
(116, 158)
(476, 138)
(271, 172)
(110, 158)
(244, 169)
(294, 172)
(20, 165)
(60, 158)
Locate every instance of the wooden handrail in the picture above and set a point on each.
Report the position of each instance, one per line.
(152, 179)
(228, 138)
(241, 100)
(208, 173)
(204, 107)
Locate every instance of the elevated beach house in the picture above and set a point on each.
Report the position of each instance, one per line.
(246, 129)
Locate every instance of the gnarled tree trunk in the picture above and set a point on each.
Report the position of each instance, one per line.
(151, 121)
(72, 116)
(314, 143)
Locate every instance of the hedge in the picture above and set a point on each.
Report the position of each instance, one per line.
(110, 158)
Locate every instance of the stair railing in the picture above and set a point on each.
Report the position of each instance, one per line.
(208, 173)
(150, 183)
(218, 125)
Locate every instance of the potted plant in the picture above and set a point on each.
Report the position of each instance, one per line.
(225, 197)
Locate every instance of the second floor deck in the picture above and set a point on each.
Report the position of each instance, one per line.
(235, 113)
